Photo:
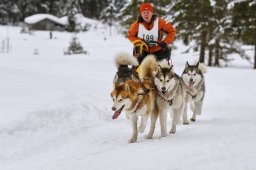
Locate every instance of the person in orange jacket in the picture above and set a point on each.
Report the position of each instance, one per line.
(150, 28)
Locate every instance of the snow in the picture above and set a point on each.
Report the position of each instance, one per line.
(231, 4)
(56, 113)
(39, 17)
(80, 19)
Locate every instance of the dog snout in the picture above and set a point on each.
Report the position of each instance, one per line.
(113, 108)
(191, 80)
(163, 88)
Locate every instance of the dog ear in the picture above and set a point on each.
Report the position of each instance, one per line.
(126, 87)
(187, 64)
(197, 64)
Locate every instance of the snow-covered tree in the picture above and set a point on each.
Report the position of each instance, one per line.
(244, 23)
(191, 19)
(75, 47)
(92, 8)
(129, 13)
(109, 14)
(72, 11)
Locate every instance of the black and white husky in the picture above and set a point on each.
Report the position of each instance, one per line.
(125, 68)
(194, 86)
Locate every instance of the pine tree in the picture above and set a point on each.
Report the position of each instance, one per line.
(244, 23)
(129, 13)
(218, 37)
(191, 19)
(109, 14)
(72, 23)
(92, 8)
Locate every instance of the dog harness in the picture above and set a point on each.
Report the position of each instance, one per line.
(169, 101)
(148, 35)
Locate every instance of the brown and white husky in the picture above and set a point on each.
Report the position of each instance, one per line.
(135, 99)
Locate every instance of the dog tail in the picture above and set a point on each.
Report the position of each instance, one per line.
(202, 67)
(123, 58)
(148, 67)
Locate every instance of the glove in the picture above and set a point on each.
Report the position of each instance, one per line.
(162, 44)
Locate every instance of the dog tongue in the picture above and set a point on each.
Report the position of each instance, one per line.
(190, 84)
(116, 114)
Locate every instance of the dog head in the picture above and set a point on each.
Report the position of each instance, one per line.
(192, 75)
(165, 77)
(125, 95)
(120, 98)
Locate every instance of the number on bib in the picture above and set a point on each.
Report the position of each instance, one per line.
(148, 38)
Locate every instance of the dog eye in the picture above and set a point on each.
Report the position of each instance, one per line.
(167, 80)
(189, 74)
(194, 74)
(161, 79)
(120, 100)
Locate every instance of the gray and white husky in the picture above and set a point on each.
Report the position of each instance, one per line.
(194, 86)
(170, 94)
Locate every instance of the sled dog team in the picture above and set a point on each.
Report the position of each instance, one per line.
(155, 92)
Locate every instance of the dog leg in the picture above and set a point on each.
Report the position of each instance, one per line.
(193, 118)
(197, 111)
(176, 118)
(199, 107)
(184, 115)
(143, 122)
(153, 118)
(133, 120)
(162, 117)
(199, 102)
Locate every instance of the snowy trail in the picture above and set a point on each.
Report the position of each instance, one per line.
(218, 139)
(55, 115)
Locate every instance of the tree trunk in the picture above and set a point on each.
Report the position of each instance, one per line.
(217, 53)
(210, 55)
(202, 46)
(254, 56)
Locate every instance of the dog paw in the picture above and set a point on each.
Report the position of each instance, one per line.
(149, 137)
(163, 135)
(132, 140)
(186, 122)
(193, 120)
(173, 130)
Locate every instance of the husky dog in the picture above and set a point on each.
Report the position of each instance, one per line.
(194, 86)
(124, 63)
(170, 94)
(136, 99)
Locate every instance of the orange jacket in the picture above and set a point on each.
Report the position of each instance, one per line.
(163, 27)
